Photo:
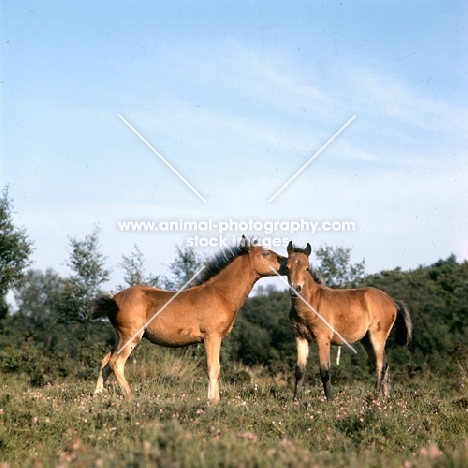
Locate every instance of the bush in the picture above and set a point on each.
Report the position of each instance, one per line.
(41, 366)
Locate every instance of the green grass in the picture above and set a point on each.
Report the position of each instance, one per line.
(169, 423)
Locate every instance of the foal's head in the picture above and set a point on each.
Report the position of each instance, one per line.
(297, 266)
(263, 260)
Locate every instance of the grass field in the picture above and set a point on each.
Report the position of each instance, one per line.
(170, 424)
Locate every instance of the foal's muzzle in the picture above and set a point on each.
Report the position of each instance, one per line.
(282, 261)
(295, 289)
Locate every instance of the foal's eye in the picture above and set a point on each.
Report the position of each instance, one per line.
(266, 253)
(307, 269)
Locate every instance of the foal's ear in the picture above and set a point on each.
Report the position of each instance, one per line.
(308, 249)
(290, 248)
(244, 241)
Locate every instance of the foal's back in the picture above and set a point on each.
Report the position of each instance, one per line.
(352, 312)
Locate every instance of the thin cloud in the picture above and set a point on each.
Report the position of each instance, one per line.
(398, 101)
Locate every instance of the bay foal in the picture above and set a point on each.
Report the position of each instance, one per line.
(204, 313)
(366, 315)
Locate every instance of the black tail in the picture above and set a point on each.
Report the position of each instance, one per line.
(103, 306)
(403, 324)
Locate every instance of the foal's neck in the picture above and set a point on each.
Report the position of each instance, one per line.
(311, 286)
(235, 281)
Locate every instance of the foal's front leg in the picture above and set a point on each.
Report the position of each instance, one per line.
(302, 346)
(323, 346)
(212, 348)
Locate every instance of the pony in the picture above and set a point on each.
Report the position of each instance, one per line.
(337, 317)
(204, 313)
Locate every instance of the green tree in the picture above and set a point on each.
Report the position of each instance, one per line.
(88, 274)
(32, 342)
(134, 268)
(336, 267)
(15, 249)
(186, 264)
(38, 298)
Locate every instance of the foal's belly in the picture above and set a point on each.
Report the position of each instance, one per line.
(337, 335)
(177, 339)
(350, 334)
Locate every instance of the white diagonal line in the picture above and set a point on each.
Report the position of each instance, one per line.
(160, 310)
(312, 158)
(313, 310)
(160, 157)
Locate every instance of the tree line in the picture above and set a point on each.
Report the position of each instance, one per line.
(50, 334)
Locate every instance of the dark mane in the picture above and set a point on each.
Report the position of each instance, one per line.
(316, 276)
(219, 262)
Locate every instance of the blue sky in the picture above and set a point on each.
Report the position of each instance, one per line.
(237, 96)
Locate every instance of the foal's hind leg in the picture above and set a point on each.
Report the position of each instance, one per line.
(375, 351)
(104, 373)
(119, 358)
(302, 346)
(386, 382)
